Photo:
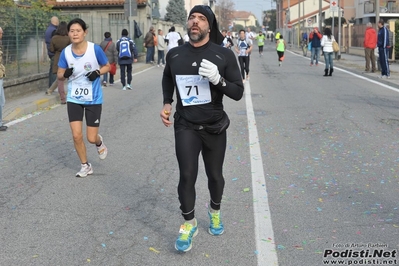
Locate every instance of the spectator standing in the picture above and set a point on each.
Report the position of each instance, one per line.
(2, 75)
(161, 48)
(59, 41)
(110, 51)
(327, 44)
(172, 38)
(370, 42)
(150, 45)
(49, 33)
(315, 37)
(127, 54)
(383, 45)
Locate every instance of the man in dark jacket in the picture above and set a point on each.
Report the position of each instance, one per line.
(49, 33)
(125, 62)
(383, 46)
(315, 38)
(149, 44)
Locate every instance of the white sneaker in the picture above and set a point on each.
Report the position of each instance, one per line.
(85, 170)
(102, 150)
(128, 86)
(158, 65)
(124, 88)
(162, 65)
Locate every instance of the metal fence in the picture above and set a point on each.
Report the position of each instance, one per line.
(24, 47)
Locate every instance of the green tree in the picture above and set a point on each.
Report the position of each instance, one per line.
(238, 27)
(328, 21)
(270, 20)
(175, 12)
(22, 22)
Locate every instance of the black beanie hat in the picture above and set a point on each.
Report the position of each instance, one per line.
(215, 35)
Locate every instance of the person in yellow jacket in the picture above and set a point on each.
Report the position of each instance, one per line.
(278, 36)
(280, 47)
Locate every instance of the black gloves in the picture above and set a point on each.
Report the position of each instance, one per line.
(68, 72)
(93, 75)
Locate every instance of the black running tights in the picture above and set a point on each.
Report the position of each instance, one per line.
(189, 144)
(244, 65)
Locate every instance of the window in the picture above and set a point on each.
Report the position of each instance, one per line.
(116, 18)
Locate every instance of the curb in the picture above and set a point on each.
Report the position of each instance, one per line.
(44, 103)
(33, 107)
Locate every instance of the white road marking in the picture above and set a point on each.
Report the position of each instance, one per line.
(264, 235)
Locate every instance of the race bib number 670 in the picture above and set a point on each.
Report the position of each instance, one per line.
(82, 91)
(193, 89)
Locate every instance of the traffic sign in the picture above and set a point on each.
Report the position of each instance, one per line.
(310, 21)
(333, 6)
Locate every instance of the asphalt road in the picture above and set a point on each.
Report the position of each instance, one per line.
(311, 166)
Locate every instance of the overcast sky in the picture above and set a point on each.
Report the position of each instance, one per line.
(254, 6)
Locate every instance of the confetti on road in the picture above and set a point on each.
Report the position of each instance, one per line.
(154, 250)
(246, 189)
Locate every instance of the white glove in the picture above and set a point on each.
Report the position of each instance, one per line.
(210, 71)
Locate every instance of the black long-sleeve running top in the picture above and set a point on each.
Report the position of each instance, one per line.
(186, 60)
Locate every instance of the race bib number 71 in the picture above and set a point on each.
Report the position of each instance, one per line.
(193, 89)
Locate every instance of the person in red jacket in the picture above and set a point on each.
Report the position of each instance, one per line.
(370, 42)
(315, 38)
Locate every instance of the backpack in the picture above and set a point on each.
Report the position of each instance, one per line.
(124, 48)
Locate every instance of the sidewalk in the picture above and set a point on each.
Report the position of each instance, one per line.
(356, 64)
(18, 107)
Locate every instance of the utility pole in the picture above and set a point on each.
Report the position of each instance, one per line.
(288, 21)
(339, 29)
(303, 16)
(320, 9)
(299, 24)
(377, 12)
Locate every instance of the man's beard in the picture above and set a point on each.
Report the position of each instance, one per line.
(198, 37)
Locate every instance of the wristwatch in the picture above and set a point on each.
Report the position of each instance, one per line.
(222, 81)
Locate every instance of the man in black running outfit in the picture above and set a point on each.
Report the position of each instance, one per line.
(202, 71)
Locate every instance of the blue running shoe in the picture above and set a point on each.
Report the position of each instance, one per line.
(184, 241)
(216, 227)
